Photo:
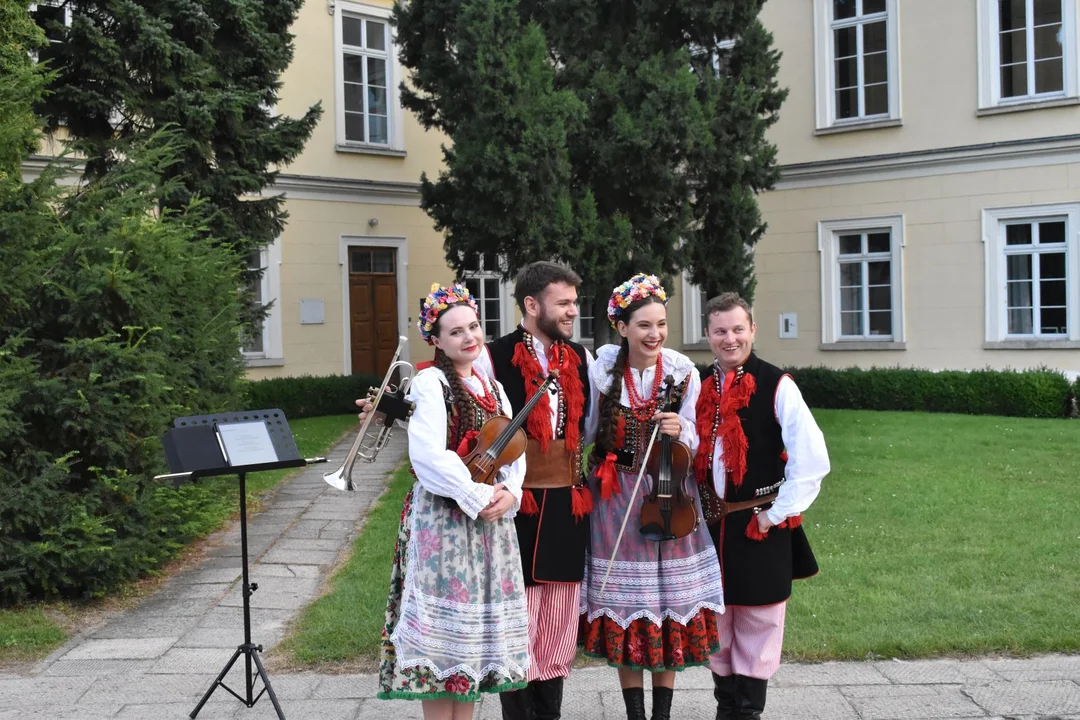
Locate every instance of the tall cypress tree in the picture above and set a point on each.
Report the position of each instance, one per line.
(653, 168)
(209, 68)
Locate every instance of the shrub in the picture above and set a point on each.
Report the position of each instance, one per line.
(116, 320)
(309, 396)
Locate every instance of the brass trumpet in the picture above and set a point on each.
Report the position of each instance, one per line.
(388, 400)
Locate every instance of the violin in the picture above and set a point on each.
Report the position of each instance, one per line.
(668, 512)
(501, 440)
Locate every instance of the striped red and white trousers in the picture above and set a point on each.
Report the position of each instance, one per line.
(751, 639)
(553, 627)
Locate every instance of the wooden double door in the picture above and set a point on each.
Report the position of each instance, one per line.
(373, 309)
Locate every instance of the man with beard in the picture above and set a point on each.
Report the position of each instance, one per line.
(552, 524)
(759, 465)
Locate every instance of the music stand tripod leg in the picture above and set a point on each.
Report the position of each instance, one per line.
(217, 681)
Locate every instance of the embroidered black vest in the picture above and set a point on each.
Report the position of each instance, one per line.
(759, 572)
(553, 543)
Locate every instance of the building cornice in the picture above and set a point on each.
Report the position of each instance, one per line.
(331, 189)
(1010, 154)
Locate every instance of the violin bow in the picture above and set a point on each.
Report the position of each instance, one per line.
(633, 495)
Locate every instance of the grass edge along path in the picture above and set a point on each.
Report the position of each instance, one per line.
(937, 535)
(345, 624)
(29, 633)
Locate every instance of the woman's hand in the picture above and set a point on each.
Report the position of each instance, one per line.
(669, 423)
(502, 501)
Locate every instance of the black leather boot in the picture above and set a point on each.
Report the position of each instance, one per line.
(518, 704)
(749, 697)
(661, 703)
(635, 703)
(724, 692)
(547, 699)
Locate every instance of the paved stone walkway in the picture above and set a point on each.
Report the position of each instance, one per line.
(154, 662)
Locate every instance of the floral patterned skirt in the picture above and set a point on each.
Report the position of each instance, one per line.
(445, 532)
(644, 645)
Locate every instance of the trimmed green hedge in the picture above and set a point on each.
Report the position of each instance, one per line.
(309, 396)
(1030, 393)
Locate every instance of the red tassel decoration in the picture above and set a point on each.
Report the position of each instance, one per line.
(752, 531)
(538, 424)
(528, 503)
(573, 393)
(467, 443)
(609, 480)
(581, 503)
(708, 411)
(792, 522)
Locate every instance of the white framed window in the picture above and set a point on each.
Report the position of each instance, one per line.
(263, 345)
(862, 280)
(693, 307)
(368, 113)
(482, 275)
(1032, 273)
(584, 324)
(1027, 52)
(49, 15)
(856, 62)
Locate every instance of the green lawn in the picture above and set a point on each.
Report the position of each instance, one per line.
(32, 632)
(936, 535)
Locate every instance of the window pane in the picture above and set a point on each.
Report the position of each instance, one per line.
(354, 97)
(851, 275)
(1052, 293)
(491, 308)
(878, 242)
(843, 9)
(586, 328)
(1018, 268)
(874, 37)
(354, 126)
(376, 72)
(491, 262)
(1013, 47)
(1048, 76)
(1048, 42)
(1047, 11)
(1011, 14)
(472, 262)
(1018, 294)
(851, 323)
(361, 261)
(384, 261)
(491, 330)
(491, 292)
(847, 73)
(877, 99)
(1018, 234)
(1053, 321)
(847, 103)
(851, 299)
(881, 323)
(377, 129)
(876, 68)
(850, 244)
(878, 273)
(869, 7)
(377, 101)
(1052, 266)
(845, 42)
(354, 68)
(376, 35)
(1052, 232)
(880, 298)
(1014, 80)
(1020, 322)
(351, 29)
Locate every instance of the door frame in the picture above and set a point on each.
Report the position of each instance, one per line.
(400, 273)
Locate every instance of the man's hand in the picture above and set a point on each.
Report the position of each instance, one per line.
(669, 423)
(366, 406)
(763, 522)
(502, 501)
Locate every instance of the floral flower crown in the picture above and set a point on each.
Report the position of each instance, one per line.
(636, 288)
(439, 299)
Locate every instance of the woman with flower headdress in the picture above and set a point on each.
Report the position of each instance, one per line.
(456, 619)
(657, 611)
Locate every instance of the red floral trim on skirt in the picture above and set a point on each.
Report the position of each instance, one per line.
(644, 646)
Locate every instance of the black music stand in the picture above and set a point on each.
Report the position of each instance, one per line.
(225, 444)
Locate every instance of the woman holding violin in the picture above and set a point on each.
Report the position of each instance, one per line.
(456, 619)
(653, 588)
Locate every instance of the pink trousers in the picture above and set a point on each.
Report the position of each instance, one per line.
(751, 638)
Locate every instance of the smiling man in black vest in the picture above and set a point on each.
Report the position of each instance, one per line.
(759, 465)
(553, 522)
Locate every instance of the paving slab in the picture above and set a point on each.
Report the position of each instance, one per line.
(1052, 697)
(121, 649)
(913, 702)
(1044, 667)
(828, 673)
(98, 667)
(935, 672)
